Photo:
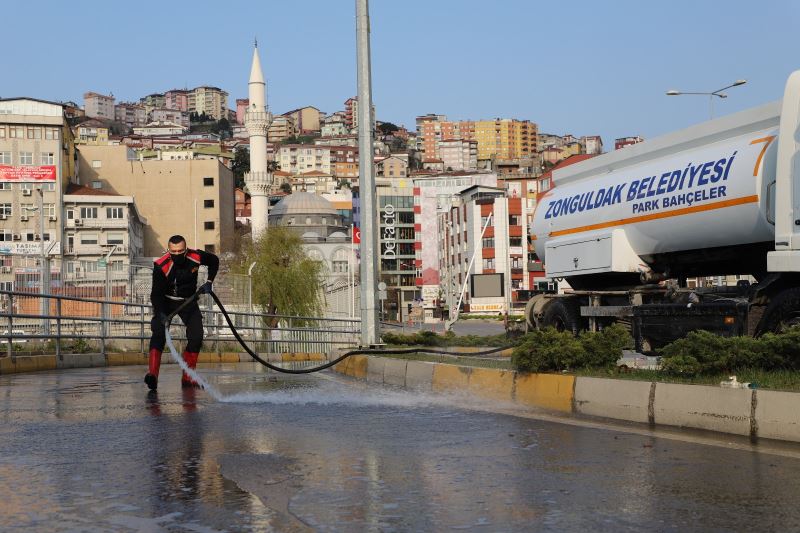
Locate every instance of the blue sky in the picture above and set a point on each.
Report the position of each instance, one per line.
(575, 67)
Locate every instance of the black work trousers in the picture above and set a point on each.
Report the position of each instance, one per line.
(191, 317)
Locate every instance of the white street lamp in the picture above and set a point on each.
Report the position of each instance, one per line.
(711, 95)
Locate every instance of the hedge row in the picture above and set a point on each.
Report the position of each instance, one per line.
(551, 350)
(702, 352)
(429, 338)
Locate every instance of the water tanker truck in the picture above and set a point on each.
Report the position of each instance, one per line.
(628, 229)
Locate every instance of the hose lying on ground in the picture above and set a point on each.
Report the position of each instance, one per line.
(329, 364)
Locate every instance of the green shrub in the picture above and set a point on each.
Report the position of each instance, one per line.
(604, 349)
(701, 352)
(548, 350)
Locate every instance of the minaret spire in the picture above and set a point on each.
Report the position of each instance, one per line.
(257, 121)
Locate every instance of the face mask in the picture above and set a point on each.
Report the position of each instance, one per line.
(178, 259)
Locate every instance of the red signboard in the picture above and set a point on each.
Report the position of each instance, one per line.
(27, 173)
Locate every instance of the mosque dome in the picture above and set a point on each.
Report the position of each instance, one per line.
(302, 203)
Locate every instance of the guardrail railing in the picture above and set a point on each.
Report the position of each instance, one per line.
(66, 324)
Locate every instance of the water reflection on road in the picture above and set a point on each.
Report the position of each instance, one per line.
(90, 450)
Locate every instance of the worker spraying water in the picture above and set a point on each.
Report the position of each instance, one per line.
(175, 284)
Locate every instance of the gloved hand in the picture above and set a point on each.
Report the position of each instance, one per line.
(205, 288)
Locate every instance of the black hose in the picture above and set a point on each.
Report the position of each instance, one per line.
(329, 364)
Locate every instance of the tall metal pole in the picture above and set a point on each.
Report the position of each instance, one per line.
(45, 270)
(369, 236)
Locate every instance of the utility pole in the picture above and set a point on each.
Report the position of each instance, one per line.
(370, 334)
(44, 273)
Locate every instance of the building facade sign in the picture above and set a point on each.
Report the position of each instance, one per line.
(30, 248)
(27, 173)
(389, 231)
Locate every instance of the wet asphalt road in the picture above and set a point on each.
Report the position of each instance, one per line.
(88, 450)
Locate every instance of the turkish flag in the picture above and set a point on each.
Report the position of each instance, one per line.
(356, 235)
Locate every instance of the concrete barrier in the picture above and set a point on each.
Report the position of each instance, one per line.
(394, 372)
(704, 407)
(419, 375)
(375, 367)
(492, 384)
(777, 415)
(613, 398)
(551, 391)
(358, 368)
(451, 378)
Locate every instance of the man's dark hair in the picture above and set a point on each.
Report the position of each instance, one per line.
(176, 239)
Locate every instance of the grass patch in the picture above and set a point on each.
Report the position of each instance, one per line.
(785, 380)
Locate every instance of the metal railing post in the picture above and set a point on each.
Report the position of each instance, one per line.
(58, 329)
(103, 315)
(10, 322)
(141, 328)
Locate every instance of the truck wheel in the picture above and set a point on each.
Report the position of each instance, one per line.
(563, 315)
(782, 312)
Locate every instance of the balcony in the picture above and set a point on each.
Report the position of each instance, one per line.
(97, 223)
(95, 249)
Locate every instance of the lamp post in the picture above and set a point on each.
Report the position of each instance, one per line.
(44, 269)
(711, 95)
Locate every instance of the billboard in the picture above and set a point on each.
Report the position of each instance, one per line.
(487, 286)
(27, 173)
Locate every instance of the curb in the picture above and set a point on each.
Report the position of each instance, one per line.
(749, 412)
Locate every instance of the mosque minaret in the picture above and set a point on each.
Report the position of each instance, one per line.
(257, 121)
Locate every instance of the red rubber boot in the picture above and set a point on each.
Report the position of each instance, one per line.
(154, 363)
(191, 361)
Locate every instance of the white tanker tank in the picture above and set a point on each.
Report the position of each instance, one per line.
(718, 198)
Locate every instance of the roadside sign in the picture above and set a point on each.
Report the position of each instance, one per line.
(101, 263)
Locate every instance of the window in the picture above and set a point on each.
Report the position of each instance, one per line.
(15, 132)
(488, 263)
(483, 221)
(88, 238)
(88, 212)
(5, 209)
(514, 220)
(208, 181)
(210, 248)
(515, 241)
(208, 203)
(340, 261)
(31, 236)
(515, 262)
(115, 238)
(308, 221)
(5, 235)
(5, 186)
(2, 132)
(51, 133)
(47, 158)
(26, 158)
(34, 132)
(26, 186)
(96, 163)
(5, 158)
(49, 210)
(487, 242)
(48, 186)
(114, 212)
(7, 286)
(208, 224)
(116, 266)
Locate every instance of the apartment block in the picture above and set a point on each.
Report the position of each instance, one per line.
(175, 116)
(191, 197)
(351, 113)
(489, 224)
(36, 164)
(212, 101)
(282, 127)
(241, 109)
(301, 158)
(153, 101)
(306, 119)
(100, 226)
(391, 167)
(91, 131)
(97, 105)
(177, 99)
(458, 154)
(132, 115)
